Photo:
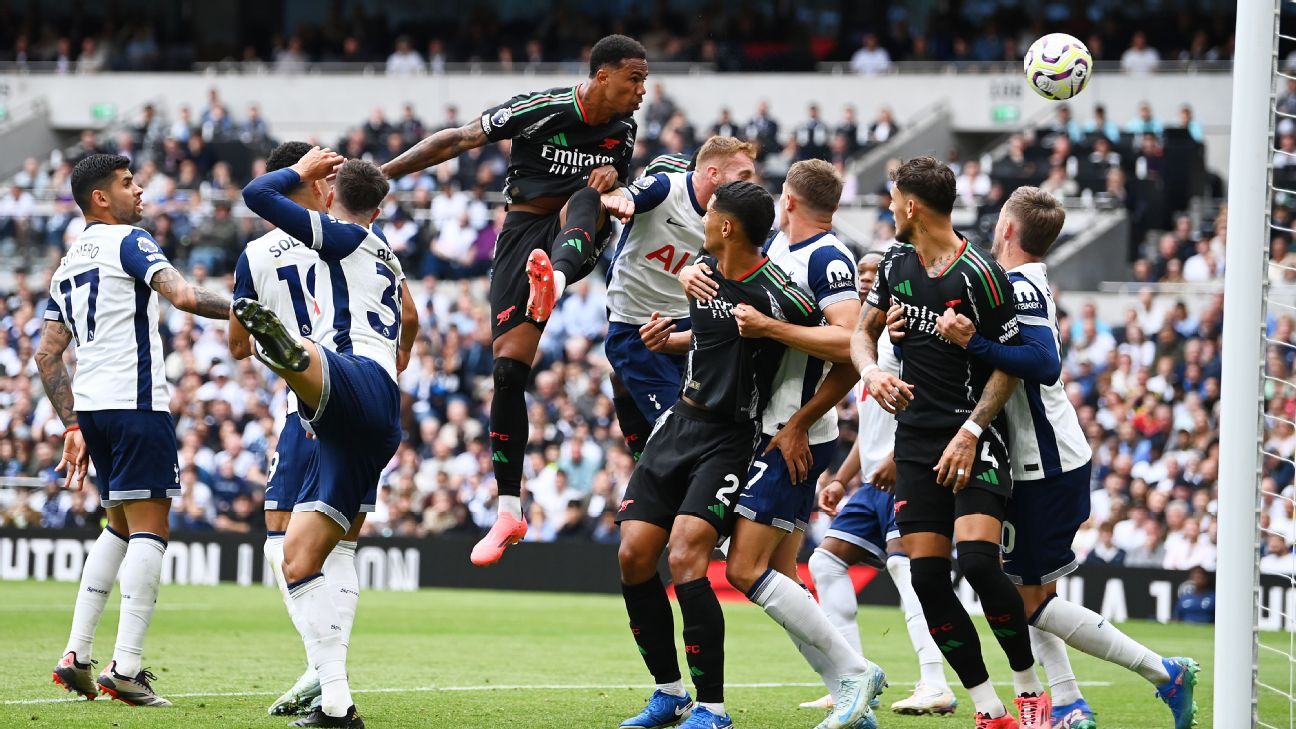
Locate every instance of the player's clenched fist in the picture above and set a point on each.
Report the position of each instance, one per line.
(618, 206)
(891, 392)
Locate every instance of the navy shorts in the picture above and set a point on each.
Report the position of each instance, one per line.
(289, 464)
(867, 521)
(358, 428)
(1043, 518)
(133, 452)
(770, 496)
(652, 378)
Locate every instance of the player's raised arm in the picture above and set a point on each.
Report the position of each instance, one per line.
(267, 195)
(441, 146)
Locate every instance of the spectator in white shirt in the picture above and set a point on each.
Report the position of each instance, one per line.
(1140, 58)
(1203, 266)
(404, 61)
(973, 184)
(871, 59)
(1278, 559)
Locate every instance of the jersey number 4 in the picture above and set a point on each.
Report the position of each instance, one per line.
(86, 278)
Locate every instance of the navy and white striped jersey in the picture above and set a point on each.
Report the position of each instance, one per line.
(101, 292)
(1043, 430)
(822, 266)
(281, 272)
(364, 276)
(664, 236)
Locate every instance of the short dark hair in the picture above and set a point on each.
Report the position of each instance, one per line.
(360, 186)
(750, 204)
(612, 50)
(929, 180)
(94, 172)
(287, 155)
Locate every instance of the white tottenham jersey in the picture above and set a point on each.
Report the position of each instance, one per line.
(664, 236)
(364, 276)
(877, 427)
(1043, 430)
(821, 265)
(101, 293)
(281, 272)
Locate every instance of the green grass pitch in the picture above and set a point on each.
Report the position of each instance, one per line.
(460, 658)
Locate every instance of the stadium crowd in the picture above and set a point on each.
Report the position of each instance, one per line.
(869, 37)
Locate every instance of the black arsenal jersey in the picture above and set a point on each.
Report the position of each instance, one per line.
(727, 373)
(554, 149)
(947, 381)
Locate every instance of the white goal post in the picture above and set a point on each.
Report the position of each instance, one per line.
(1249, 196)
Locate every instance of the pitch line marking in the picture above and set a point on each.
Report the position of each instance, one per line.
(487, 687)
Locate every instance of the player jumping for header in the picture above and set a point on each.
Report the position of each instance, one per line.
(571, 146)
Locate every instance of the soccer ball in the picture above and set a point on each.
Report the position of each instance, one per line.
(1058, 66)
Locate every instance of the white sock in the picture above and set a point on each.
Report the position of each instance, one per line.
(931, 663)
(674, 688)
(1087, 631)
(716, 708)
(837, 596)
(317, 621)
(97, 577)
(511, 505)
(141, 573)
(1051, 653)
(798, 613)
(986, 700)
(819, 663)
(343, 585)
(1027, 682)
(273, 549)
(560, 284)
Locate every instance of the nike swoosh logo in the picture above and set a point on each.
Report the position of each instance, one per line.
(675, 222)
(679, 710)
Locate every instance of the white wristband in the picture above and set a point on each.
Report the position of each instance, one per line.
(972, 428)
(868, 368)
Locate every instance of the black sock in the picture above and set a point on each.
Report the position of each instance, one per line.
(704, 630)
(1003, 606)
(950, 625)
(635, 428)
(653, 627)
(575, 242)
(508, 424)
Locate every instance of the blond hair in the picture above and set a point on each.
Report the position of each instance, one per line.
(816, 183)
(717, 149)
(1039, 217)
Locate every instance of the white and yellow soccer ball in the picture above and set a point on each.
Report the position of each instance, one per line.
(1058, 66)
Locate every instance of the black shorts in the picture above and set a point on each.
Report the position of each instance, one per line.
(924, 505)
(695, 463)
(521, 234)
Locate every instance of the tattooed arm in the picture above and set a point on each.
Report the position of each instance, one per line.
(445, 144)
(892, 393)
(955, 466)
(58, 388)
(54, 340)
(186, 297)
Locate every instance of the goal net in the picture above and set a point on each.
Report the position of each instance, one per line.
(1255, 637)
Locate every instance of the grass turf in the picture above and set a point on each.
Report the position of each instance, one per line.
(463, 658)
